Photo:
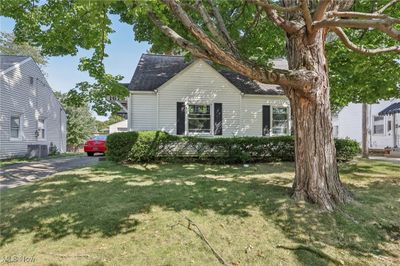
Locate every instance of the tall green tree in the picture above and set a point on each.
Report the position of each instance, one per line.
(81, 124)
(9, 46)
(243, 35)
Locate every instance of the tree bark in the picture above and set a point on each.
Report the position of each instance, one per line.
(317, 177)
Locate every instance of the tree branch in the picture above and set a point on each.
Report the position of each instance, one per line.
(179, 40)
(211, 51)
(221, 25)
(384, 25)
(267, 4)
(321, 9)
(387, 6)
(359, 49)
(210, 24)
(273, 15)
(307, 15)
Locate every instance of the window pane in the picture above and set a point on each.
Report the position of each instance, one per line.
(199, 119)
(378, 118)
(378, 129)
(280, 121)
(40, 123)
(279, 116)
(15, 122)
(279, 110)
(14, 133)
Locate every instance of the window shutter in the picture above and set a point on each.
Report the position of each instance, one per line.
(180, 118)
(217, 118)
(266, 120)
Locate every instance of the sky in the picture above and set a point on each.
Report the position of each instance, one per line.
(124, 53)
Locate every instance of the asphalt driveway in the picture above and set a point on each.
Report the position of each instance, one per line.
(22, 173)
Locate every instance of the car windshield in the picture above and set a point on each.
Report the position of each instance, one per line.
(99, 138)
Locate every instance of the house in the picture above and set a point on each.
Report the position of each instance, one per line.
(31, 117)
(383, 123)
(183, 97)
(121, 126)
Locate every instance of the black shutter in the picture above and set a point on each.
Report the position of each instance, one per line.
(180, 118)
(266, 119)
(217, 118)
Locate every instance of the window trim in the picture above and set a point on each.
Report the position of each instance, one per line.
(287, 120)
(187, 133)
(20, 127)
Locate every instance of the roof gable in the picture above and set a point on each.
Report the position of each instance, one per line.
(8, 62)
(154, 70)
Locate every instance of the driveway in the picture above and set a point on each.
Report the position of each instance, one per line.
(22, 173)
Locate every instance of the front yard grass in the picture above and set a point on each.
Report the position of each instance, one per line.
(112, 214)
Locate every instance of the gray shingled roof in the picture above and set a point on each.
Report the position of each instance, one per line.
(154, 70)
(391, 109)
(7, 61)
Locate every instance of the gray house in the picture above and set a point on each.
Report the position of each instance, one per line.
(31, 117)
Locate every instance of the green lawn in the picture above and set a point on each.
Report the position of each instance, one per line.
(15, 160)
(109, 214)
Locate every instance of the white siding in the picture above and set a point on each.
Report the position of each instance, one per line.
(348, 123)
(252, 112)
(143, 111)
(199, 84)
(31, 102)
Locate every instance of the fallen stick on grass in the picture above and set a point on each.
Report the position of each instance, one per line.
(313, 250)
(200, 234)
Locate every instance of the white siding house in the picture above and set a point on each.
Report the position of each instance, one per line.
(193, 98)
(30, 114)
(382, 130)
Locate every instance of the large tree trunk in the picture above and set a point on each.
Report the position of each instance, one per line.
(317, 178)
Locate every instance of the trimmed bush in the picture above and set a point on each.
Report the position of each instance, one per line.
(346, 149)
(150, 146)
(120, 144)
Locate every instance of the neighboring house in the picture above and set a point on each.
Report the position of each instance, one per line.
(193, 98)
(30, 114)
(121, 126)
(383, 125)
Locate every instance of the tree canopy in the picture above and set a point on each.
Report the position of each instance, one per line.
(246, 28)
(8, 46)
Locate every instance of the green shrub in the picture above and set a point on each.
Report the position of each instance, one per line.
(346, 149)
(149, 146)
(119, 145)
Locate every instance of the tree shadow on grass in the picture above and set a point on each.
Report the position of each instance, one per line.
(105, 198)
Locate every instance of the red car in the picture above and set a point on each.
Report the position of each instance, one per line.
(96, 144)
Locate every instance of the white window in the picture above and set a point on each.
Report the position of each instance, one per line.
(280, 118)
(199, 119)
(379, 125)
(41, 129)
(15, 126)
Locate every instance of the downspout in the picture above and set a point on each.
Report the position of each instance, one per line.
(394, 130)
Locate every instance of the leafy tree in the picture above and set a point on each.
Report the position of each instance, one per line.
(80, 123)
(9, 46)
(243, 35)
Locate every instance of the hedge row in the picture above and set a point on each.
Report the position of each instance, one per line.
(149, 146)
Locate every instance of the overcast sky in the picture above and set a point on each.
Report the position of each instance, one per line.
(124, 53)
